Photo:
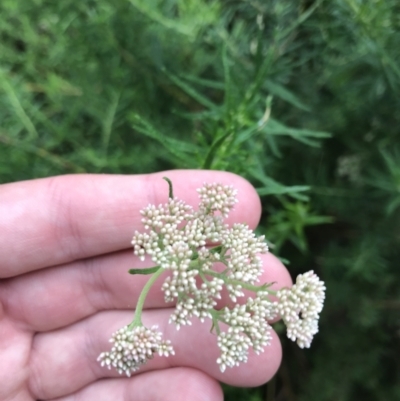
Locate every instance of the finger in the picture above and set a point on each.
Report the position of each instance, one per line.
(177, 384)
(56, 220)
(65, 361)
(55, 297)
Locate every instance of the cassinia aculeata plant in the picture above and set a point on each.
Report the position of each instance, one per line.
(178, 238)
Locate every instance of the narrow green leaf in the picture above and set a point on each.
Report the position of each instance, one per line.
(273, 146)
(274, 127)
(393, 205)
(17, 107)
(189, 90)
(228, 99)
(208, 83)
(303, 17)
(213, 151)
(178, 148)
(154, 14)
(283, 93)
(273, 187)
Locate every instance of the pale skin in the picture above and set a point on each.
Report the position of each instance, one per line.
(64, 289)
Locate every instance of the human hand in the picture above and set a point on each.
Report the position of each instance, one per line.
(64, 289)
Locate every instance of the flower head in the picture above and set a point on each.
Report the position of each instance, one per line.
(217, 198)
(247, 329)
(204, 257)
(300, 307)
(134, 347)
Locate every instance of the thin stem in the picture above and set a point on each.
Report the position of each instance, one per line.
(137, 319)
(171, 189)
(247, 286)
(203, 277)
(212, 273)
(215, 317)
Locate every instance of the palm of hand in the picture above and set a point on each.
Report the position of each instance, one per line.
(65, 289)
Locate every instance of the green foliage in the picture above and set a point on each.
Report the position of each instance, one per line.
(135, 86)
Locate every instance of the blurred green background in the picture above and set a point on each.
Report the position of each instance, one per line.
(300, 97)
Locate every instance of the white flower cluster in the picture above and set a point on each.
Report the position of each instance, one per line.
(198, 302)
(133, 347)
(174, 246)
(247, 328)
(300, 307)
(244, 261)
(217, 198)
(176, 240)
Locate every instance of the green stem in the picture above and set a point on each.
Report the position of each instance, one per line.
(212, 273)
(137, 319)
(246, 286)
(203, 277)
(215, 318)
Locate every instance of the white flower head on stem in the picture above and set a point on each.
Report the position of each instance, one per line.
(132, 348)
(248, 329)
(300, 307)
(217, 198)
(204, 257)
